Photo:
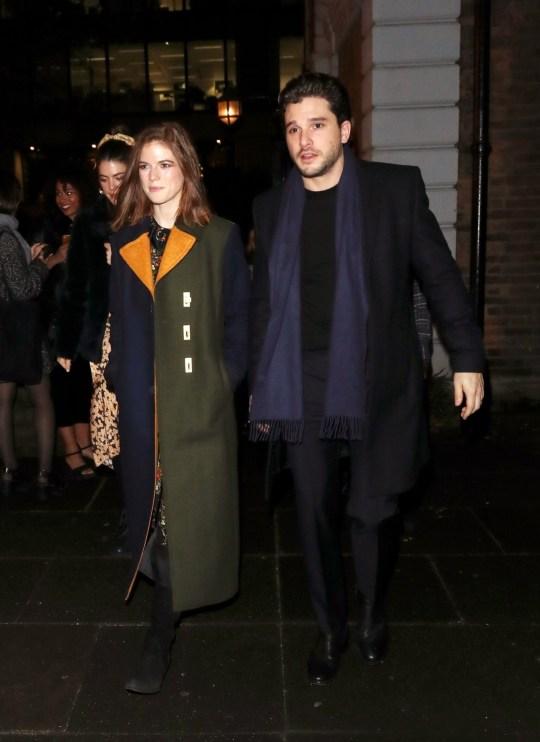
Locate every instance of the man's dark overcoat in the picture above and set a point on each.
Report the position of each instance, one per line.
(400, 239)
(178, 349)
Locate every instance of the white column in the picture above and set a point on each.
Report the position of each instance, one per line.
(410, 94)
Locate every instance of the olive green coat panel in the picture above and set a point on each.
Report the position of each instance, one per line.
(196, 424)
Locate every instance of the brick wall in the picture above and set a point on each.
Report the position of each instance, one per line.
(512, 317)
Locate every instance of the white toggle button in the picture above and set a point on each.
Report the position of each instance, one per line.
(187, 298)
(187, 332)
(187, 365)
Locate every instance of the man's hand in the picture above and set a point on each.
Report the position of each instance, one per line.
(468, 391)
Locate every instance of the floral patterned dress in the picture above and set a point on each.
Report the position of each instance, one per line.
(103, 410)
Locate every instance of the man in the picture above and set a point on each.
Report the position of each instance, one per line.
(335, 356)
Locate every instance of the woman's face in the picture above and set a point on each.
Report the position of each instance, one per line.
(68, 199)
(110, 176)
(161, 177)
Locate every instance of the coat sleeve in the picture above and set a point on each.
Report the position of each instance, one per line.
(235, 308)
(73, 299)
(442, 285)
(22, 280)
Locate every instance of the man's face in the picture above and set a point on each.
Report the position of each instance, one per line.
(315, 142)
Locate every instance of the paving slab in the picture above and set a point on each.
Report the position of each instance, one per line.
(18, 579)
(494, 589)
(42, 671)
(54, 533)
(87, 591)
(517, 531)
(222, 679)
(435, 680)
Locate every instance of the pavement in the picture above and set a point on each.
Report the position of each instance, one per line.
(464, 615)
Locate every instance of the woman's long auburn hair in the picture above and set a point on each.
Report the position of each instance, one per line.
(133, 204)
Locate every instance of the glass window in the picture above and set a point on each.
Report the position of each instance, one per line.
(51, 83)
(206, 72)
(291, 58)
(88, 6)
(167, 75)
(7, 8)
(128, 77)
(231, 63)
(174, 5)
(88, 78)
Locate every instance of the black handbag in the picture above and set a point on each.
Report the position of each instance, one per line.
(20, 341)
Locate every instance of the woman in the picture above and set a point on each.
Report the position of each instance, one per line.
(82, 329)
(179, 291)
(71, 392)
(22, 274)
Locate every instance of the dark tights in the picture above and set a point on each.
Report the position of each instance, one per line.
(43, 422)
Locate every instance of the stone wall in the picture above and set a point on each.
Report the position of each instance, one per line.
(512, 313)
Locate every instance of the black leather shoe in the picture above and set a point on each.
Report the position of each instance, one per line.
(153, 665)
(373, 642)
(323, 661)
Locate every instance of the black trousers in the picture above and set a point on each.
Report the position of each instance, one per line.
(315, 466)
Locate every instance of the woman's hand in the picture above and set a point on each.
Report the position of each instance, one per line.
(37, 250)
(108, 252)
(65, 363)
(60, 255)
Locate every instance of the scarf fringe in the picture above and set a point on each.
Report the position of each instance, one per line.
(290, 431)
(347, 428)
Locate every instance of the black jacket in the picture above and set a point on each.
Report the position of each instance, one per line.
(402, 241)
(85, 297)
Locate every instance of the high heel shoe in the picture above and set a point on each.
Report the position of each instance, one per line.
(44, 485)
(88, 457)
(9, 479)
(79, 473)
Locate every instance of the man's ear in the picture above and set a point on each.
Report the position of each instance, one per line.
(346, 128)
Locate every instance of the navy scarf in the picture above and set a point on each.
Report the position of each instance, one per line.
(277, 395)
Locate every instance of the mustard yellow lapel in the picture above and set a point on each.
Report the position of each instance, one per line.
(177, 247)
(137, 255)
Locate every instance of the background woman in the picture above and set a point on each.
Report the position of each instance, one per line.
(71, 392)
(22, 274)
(178, 334)
(82, 329)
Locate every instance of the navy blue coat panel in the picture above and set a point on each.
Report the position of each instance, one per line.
(401, 240)
(188, 407)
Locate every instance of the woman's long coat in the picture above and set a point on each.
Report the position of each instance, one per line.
(401, 241)
(178, 349)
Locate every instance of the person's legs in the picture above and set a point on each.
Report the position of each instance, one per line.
(84, 440)
(375, 538)
(65, 401)
(81, 396)
(8, 391)
(315, 468)
(156, 655)
(44, 424)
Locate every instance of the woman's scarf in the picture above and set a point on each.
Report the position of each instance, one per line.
(10, 222)
(277, 395)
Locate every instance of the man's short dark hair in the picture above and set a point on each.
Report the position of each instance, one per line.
(317, 85)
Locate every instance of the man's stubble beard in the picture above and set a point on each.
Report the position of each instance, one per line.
(326, 165)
